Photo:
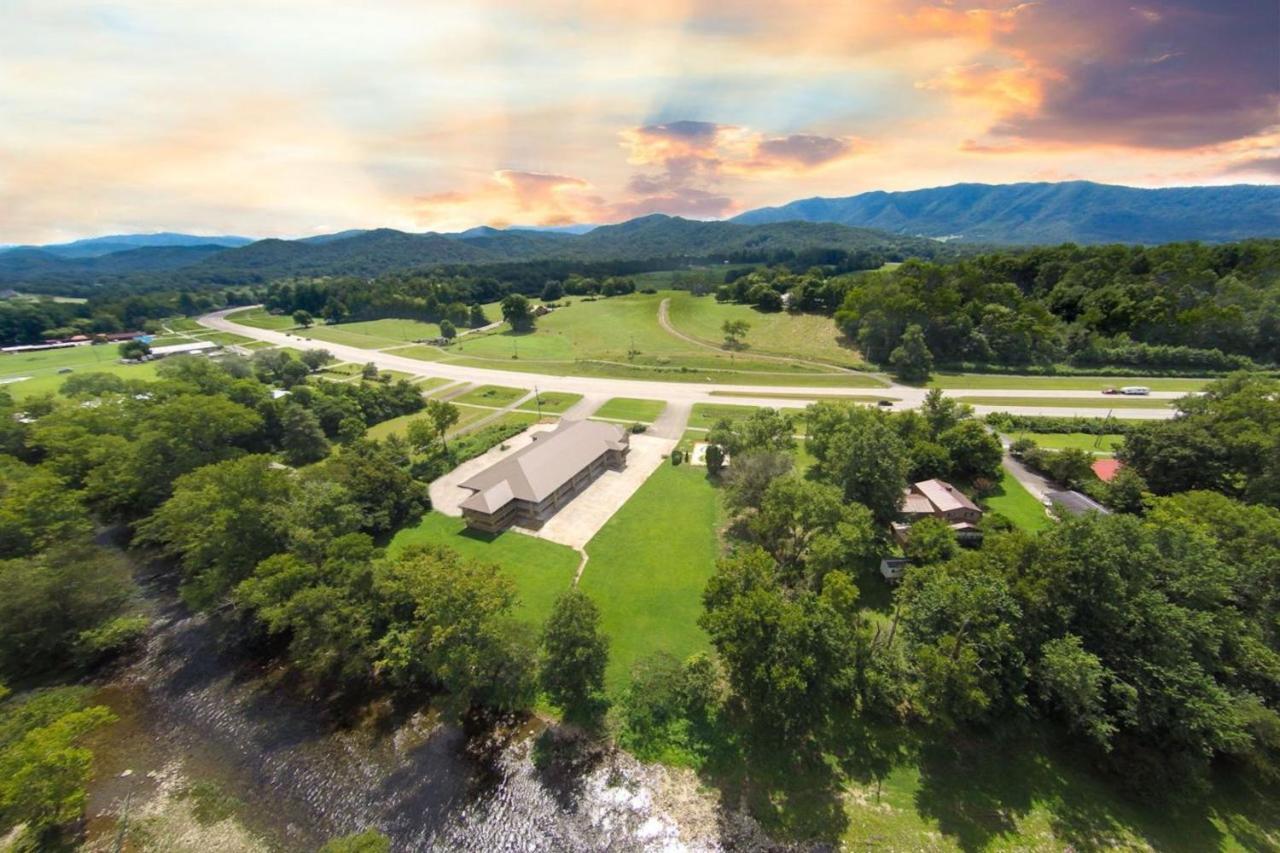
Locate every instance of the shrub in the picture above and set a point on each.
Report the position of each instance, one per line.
(677, 456)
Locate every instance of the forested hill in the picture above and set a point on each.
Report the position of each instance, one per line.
(1047, 213)
(379, 251)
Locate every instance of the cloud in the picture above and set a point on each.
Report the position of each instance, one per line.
(1262, 166)
(686, 162)
(1170, 74)
(512, 196)
(802, 150)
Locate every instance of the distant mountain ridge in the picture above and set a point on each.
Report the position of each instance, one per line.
(919, 223)
(93, 247)
(381, 250)
(1049, 213)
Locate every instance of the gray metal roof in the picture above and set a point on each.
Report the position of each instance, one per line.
(534, 472)
(944, 496)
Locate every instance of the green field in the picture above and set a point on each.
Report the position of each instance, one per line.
(621, 337)
(42, 368)
(344, 369)
(705, 415)
(835, 398)
(806, 336)
(541, 569)
(430, 384)
(648, 566)
(491, 395)
(1018, 505)
(182, 324)
(630, 409)
(222, 337)
(1102, 402)
(373, 334)
(987, 381)
(550, 402)
(258, 318)
(1097, 444)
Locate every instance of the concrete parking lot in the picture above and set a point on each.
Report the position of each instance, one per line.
(577, 522)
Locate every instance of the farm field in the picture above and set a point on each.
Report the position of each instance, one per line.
(987, 381)
(649, 587)
(807, 336)
(1102, 445)
(41, 368)
(1103, 402)
(630, 409)
(541, 570)
(1015, 503)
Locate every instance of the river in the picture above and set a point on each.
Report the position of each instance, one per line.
(188, 702)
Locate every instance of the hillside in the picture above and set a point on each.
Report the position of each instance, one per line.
(95, 246)
(1047, 213)
(369, 253)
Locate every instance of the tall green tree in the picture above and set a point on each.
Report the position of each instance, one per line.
(858, 450)
(517, 312)
(911, 360)
(574, 657)
(218, 524)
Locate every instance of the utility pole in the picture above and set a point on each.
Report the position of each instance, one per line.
(537, 398)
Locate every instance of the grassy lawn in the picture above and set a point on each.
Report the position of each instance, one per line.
(259, 318)
(985, 381)
(837, 398)
(41, 368)
(705, 415)
(1097, 444)
(541, 569)
(223, 337)
(373, 334)
(630, 409)
(344, 369)
(396, 426)
(429, 384)
(551, 402)
(808, 336)
(648, 566)
(182, 324)
(491, 395)
(422, 352)
(467, 415)
(1015, 503)
(1107, 402)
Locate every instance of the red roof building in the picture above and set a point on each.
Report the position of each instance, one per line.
(1106, 469)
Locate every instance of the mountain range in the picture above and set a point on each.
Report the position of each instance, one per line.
(1048, 213)
(651, 238)
(890, 225)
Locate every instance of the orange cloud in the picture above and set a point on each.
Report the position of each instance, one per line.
(511, 197)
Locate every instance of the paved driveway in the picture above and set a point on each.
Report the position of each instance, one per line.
(582, 518)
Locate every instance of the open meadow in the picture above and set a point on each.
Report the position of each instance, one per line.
(25, 374)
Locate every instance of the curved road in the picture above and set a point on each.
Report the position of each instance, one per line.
(684, 393)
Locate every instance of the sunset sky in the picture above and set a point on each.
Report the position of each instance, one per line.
(289, 118)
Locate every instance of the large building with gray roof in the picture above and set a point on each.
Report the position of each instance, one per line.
(528, 487)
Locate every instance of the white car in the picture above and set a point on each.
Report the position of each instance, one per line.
(1135, 390)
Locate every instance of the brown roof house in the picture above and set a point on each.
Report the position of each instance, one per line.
(529, 486)
(939, 499)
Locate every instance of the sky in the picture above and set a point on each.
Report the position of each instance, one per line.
(299, 117)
